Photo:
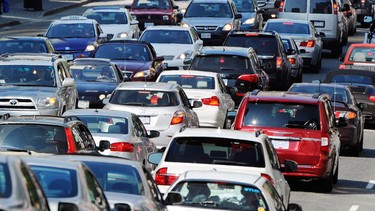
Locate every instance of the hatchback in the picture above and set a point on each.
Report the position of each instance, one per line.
(359, 56)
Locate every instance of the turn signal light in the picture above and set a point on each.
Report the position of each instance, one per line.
(346, 114)
(309, 43)
(212, 101)
(252, 78)
(122, 147)
(292, 60)
(281, 6)
(178, 117)
(163, 178)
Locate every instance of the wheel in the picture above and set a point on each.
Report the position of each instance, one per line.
(336, 175)
(326, 184)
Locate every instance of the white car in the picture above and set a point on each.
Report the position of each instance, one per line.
(207, 87)
(220, 190)
(115, 21)
(124, 130)
(174, 43)
(223, 150)
(160, 106)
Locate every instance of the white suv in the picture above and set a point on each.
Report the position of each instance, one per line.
(223, 150)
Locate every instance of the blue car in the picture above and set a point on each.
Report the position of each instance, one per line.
(75, 36)
(252, 18)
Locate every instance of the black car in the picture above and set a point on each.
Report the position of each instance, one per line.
(92, 83)
(136, 59)
(238, 67)
(25, 44)
(361, 82)
(270, 50)
(252, 18)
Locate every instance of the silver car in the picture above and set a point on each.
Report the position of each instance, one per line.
(295, 59)
(306, 37)
(124, 130)
(160, 106)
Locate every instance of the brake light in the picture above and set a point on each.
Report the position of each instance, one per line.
(251, 35)
(324, 145)
(309, 43)
(70, 139)
(342, 66)
(267, 177)
(281, 6)
(292, 60)
(212, 101)
(363, 2)
(334, 8)
(187, 76)
(346, 114)
(163, 178)
(122, 147)
(371, 98)
(252, 78)
(178, 117)
(279, 62)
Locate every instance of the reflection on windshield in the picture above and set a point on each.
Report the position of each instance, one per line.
(27, 75)
(92, 72)
(219, 10)
(123, 52)
(71, 30)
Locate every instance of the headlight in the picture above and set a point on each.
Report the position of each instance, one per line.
(122, 35)
(185, 25)
(141, 74)
(185, 55)
(90, 47)
(165, 17)
(227, 27)
(249, 21)
(102, 96)
(134, 17)
(49, 102)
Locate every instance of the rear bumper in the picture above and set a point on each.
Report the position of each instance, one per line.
(165, 135)
(318, 171)
(349, 136)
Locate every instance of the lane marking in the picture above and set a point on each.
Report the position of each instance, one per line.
(370, 184)
(354, 208)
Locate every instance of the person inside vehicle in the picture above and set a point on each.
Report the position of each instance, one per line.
(249, 200)
(42, 77)
(105, 74)
(198, 192)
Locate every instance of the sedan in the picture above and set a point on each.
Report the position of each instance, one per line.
(295, 59)
(252, 17)
(307, 39)
(207, 87)
(174, 43)
(124, 130)
(25, 44)
(359, 56)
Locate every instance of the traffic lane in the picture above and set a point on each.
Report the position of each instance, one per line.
(355, 189)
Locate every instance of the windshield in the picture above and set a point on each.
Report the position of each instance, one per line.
(148, 98)
(123, 52)
(108, 17)
(27, 75)
(222, 64)
(151, 4)
(167, 36)
(245, 6)
(73, 30)
(219, 10)
(16, 46)
(105, 124)
(189, 81)
(335, 93)
(94, 73)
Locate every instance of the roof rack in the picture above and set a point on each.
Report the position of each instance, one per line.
(255, 92)
(71, 118)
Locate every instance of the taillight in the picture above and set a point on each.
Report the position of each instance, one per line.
(178, 117)
(279, 62)
(70, 139)
(334, 8)
(267, 177)
(371, 98)
(346, 114)
(342, 66)
(292, 60)
(309, 43)
(212, 101)
(163, 178)
(122, 147)
(281, 6)
(324, 145)
(252, 78)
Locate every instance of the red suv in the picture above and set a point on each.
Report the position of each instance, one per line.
(302, 128)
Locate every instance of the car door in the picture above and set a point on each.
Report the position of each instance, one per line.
(227, 102)
(191, 117)
(157, 201)
(98, 200)
(141, 140)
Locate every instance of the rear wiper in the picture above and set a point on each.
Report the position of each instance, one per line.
(227, 69)
(19, 150)
(229, 162)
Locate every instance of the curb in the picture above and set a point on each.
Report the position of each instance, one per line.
(57, 10)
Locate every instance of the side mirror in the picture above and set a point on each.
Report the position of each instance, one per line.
(123, 207)
(67, 206)
(175, 7)
(188, 61)
(154, 157)
(260, 10)
(134, 22)
(294, 207)
(290, 166)
(349, 13)
(362, 106)
(173, 198)
(231, 90)
(128, 6)
(105, 101)
(322, 34)
(341, 122)
(277, 4)
(68, 82)
(179, 17)
(341, 58)
(302, 50)
(153, 134)
(103, 145)
(199, 42)
(346, 7)
(40, 35)
(238, 16)
(197, 104)
(290, 51)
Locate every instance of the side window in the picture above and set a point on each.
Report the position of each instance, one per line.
(329, 113)
(269, 189)
(184, 98)
(31, 188)
(82, 137)
(221, 84)
(139, 129)
(321, 6)
(272, 155)
(153, 187)
(295, 6)
(96, 194)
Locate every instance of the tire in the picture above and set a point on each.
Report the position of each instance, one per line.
(316, 68)
(336, 175)
(326, 184)
(356, 149)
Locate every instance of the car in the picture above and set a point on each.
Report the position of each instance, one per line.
(359, 56)
(174, 43)
(225, 191)
(271, 53)
(114, 21)
(127, 184)
(212, 19)
(223, 150)
(365, 11)
(24, 93)
(91, 83)
(20, 187)
(69, 183)
(252, 15)
(308, 40)
(295, 59)
(160, 106)
(25, 44)
(153, 12)
(361, 82)
(350, 13)
(47, 135)
(326, 16)
(270, 9)
(302, 128)
(207, 87)
(124, 130)
(75, 36)
(239, 68)
(344, 105)
(137, 60)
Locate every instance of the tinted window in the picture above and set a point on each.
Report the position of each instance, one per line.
(167, 36)
(283, 115)
(216, 150)
(296, 6)
(144, 98)
(190, 81)
(94, 72)
(151, 4)
(5, 183)
(222, 64)
(14, 46)
(123, 52)
(221, 10)
(262, 45)
(335, 93)
(288, 28)
(245, 6)
(321, 6)
(28, 75)
(356, 79)
(108, 17)
(71, 30)
(105, 124)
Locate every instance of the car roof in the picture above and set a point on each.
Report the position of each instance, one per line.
(168, 27)
(107, 9)
(23, 38)
(189, 72)
(98, 112)
(281, 96)
(97, 158)
(362, 45)
(278, 20)
(52, 162)
(333, 85)
(220, 176)
(91, 61)
(35, 119)
(31, 58)
(252, 33)
(73, 19)
(136, 85)
(224, 50)
(210, 1)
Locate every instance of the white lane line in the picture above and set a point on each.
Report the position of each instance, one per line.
(370, 184)
(354, 208)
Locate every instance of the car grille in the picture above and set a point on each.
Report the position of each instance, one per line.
(150, 17)
(16, 104)
(206, 28)
(168, 57)
(69, 52)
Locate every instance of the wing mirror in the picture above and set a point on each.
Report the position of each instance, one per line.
(173, 198)
(154, 157)
(103, 145)
(153, 134)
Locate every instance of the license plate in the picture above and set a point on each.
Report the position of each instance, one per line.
(319, 24)
(148, 24)
(83, 104)
(206, 35)
(280, 144)
(67, 56)
(145, 119)
(225, 81)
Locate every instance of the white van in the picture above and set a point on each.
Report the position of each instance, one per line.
(326, 16)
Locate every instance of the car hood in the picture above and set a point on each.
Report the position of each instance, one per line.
(171, 49)
(100, 87)
(115, 28)
(150, 12)
(71, 44)
(29, 91)
(209, 21)
(133, 66)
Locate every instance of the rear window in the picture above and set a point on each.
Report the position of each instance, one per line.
(189, 81)
(282, 115)
(167, 36)
(356, 79)
(123, 52)
(222, 151)
(105, 124)
(108, 17)
(261, 44)
(362, 55)
(94, 73)
(15, 46)
(296, 6)
(148, 98)
(288, 28)
(321, 6)
(222, 64)
(335, 94)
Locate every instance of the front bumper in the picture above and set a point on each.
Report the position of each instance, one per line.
(47, 112)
